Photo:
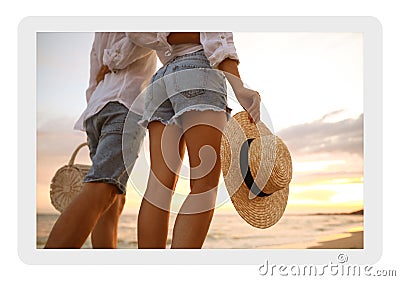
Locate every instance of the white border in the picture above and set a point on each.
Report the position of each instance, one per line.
(369, 26)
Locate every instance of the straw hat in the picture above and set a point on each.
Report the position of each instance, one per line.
(257, 170)
(67, 182)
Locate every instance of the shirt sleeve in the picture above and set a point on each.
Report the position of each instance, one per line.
(153, 40)
(94, 69)
(123, 53)
(218, 46)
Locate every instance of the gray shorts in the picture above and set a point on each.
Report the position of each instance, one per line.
(186, 83)
(107, 149)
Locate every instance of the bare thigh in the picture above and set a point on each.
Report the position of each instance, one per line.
(202, 133)
(166, 153)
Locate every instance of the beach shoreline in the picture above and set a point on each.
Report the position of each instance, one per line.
(229, 231)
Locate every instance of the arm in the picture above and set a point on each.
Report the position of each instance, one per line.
(102, 73)
(218, 46)
(248, 99)
(152, 40)
(119, 56)
(221, 52)
(123, 53)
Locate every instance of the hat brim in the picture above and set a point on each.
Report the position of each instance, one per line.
(260, 212)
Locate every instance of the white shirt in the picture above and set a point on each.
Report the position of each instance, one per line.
(217, 46)
(132, 68)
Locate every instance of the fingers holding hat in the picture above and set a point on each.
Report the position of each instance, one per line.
(254, 109)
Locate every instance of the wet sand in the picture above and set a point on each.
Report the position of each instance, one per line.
(350, 240)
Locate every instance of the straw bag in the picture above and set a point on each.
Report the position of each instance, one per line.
(67, 182)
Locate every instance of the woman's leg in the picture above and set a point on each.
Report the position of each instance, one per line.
(166, 154)
(202, 133)
(105, 233)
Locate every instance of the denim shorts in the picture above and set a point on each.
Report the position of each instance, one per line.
(109, 142)
(186, 83)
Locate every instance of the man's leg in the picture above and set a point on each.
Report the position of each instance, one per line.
(104, 234)
(75, 224)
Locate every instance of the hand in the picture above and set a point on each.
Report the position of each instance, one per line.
(102, 73)
(250, 100)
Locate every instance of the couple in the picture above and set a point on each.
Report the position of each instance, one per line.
(183, 109)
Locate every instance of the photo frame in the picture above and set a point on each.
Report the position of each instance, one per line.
(372, 93)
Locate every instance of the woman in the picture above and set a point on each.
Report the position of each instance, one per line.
(186, 106)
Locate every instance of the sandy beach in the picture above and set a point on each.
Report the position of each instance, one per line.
(353, 238)
(349, 240)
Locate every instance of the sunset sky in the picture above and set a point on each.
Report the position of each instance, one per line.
(310, 83)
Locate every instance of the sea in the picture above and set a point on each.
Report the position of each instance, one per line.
(230, 231)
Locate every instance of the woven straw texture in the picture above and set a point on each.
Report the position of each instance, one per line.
(67, 182)
(270, 165)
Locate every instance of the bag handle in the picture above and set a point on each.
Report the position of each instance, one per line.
(72, 160)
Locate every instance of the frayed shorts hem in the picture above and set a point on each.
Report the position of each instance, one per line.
(119, 185)
(175, 119)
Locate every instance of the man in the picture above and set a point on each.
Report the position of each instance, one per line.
(118, 73)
